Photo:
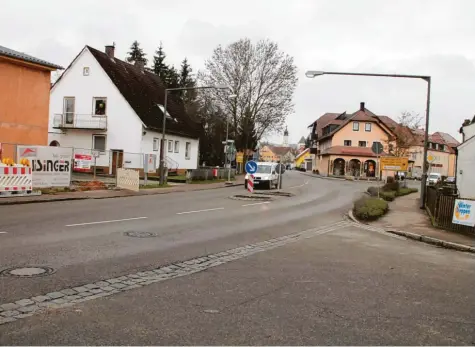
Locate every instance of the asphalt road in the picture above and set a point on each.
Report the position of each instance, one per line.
(346, 286)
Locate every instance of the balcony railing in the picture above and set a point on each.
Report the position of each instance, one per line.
(79, 121)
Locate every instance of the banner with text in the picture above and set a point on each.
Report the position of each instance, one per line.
(51, 166)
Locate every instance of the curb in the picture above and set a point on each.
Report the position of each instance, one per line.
(24, 202)
(422, 238)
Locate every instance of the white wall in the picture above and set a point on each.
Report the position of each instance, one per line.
(183, 163)
(466, 165)
(469, 131)
(124, 128)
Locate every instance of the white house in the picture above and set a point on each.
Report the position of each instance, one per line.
(103, 103)
(466, 161)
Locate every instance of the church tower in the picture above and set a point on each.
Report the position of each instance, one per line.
(286, 138)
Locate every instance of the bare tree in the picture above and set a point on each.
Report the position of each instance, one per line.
(405, 134)
(262, 77)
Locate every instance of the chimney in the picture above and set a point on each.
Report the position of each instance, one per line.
(110, 50)
(140, 64)
(362, 106)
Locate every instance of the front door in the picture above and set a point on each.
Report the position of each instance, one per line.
(117, 159)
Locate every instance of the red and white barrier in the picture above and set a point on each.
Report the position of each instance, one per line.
(15, 179)
(250, 183)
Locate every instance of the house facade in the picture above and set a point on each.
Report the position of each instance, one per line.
(277, 153)
(466, 161)
(441, 154)
(105, 104)
(344, 141)
(24, 100)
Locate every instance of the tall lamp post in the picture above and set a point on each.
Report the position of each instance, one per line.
(162, 149)
(312, 74)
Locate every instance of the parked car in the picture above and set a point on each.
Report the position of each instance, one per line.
(434, 178)
(265, 176)
(450, 179)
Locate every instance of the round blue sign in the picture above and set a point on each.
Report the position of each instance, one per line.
(251, 167)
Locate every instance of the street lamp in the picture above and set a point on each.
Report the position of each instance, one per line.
(312, 74)
(162, 150)
(232, 96)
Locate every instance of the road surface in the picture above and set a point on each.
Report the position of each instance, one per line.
(296, 272)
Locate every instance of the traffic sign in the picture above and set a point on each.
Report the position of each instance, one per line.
(377, 148)
(251, 167)
(239, 157)
(280, 168)
(394, 163)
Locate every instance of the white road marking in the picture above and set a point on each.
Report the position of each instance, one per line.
(3, 232)
(197, 211)
(306, 182)
(106, 221)
(256, 203)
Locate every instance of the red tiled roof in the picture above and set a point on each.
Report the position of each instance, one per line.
(345, 150)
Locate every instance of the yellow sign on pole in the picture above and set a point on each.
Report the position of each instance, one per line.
(394, 163)
(239, 157)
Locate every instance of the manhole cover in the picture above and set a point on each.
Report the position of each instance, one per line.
(27, 271)
(139, 234)
(251, 197)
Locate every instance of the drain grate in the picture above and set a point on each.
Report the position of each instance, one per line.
(251, 197)
(140, 234)
(27, 271)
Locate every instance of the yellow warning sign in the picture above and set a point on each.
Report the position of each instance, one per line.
(394, 163)
(239, 157)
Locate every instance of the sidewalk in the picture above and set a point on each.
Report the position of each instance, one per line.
(407, 219)
(108, 194)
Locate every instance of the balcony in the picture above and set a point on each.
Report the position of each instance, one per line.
(79, 121)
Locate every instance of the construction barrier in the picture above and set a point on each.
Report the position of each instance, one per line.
(128, 179)
(15, 179)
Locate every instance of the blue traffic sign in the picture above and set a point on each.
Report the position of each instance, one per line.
(251, 167)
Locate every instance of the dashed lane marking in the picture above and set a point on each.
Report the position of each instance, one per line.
(256, 203)
(105, 221)
(198, 211)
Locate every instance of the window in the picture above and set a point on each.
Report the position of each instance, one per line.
(441, 147)
(347, 143)
(99, 105)
(434, 146)
(170, 146)
(361, 143)
(367, 127)
(68, 109)
(356, 126)
(99, 142)
(156, 145)
(177, 146)
(85, 71)
(188, 150)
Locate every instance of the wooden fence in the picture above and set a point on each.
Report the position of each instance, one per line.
(441, 208)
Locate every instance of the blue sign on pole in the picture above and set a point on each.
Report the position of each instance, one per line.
(251, 167)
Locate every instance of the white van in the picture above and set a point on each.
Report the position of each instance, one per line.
(265, 176)
(434, 178)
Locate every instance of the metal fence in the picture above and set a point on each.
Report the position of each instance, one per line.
(441, 208)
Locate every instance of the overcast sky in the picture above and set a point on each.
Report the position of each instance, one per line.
(424, 37)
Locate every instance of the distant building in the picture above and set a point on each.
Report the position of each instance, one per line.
(24, 100)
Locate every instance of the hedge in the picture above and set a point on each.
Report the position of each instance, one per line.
(370, 208)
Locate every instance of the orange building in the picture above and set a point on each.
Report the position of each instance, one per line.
(24, 100)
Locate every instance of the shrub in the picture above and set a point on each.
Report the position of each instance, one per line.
(370, 208)
(391, 186)
(373, 191)
(406, 191)
(388, 196)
